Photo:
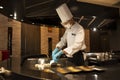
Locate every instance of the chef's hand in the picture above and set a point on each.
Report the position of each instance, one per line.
(52, 61)
(57, 56)
(54, 52)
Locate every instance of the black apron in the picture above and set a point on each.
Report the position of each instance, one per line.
(77, 59)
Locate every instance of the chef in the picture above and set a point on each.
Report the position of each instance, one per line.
(73, 37)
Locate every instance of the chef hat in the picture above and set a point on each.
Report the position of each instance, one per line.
(64, 13)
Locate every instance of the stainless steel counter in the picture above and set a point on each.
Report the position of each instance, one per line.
(27, 71)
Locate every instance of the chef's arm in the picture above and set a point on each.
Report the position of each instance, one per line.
(64, 52)
(62, 42)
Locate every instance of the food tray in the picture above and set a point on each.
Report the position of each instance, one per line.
(72, 69)
(62, 70)
(85, 68)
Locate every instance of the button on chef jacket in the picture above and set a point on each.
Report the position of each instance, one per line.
(74, 39)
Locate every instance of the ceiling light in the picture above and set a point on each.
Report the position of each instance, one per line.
(95, 76)
(1, 7)
(15, 15)
(11, 15)
(22, 20)
(80, 19)
(94, 29)
(94, 16)
(33, 23)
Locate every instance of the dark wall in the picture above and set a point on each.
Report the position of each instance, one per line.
(99, 41)
(106, 40)
(30, 39)
(115, 37)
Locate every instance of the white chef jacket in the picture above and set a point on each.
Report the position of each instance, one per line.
(74, 39)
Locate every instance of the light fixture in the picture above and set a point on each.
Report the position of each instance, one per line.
(81, 18)
(11, 15)
(94, 29)
(95, 76)
(94, 17)
(1, 7)
(33, 23)
(15, 15)
(22, 20)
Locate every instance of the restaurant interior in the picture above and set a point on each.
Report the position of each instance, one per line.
(30, 30)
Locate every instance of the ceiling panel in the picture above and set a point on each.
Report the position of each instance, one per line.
(37, 3)
(43, 11)
(101, 2)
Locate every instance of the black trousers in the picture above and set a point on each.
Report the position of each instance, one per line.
(77, 59)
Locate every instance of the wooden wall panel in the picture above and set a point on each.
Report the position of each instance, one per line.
(87, 40)
(30, 39)
(45, 35)
(6, 22)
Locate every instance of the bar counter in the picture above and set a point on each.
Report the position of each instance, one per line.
(28, 72)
